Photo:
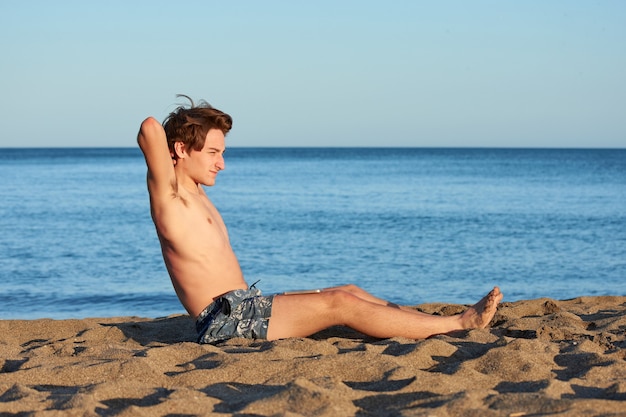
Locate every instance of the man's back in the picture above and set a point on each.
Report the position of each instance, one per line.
(193, 237)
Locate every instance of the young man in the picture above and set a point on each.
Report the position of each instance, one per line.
(186, 153)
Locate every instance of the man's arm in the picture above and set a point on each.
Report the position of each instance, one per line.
(161, 175)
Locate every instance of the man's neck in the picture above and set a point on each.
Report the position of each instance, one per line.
(189, 186)
(184, 181)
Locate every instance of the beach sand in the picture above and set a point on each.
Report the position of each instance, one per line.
(539, 357)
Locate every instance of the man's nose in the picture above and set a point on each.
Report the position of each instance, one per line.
(220, 163)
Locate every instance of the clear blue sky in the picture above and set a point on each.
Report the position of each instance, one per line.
(318, 73)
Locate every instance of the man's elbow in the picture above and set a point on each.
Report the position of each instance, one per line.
(150, 123)
(148, 128)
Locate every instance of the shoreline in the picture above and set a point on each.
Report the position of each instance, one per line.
(540, 356)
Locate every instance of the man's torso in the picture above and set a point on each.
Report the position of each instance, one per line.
(196, 250)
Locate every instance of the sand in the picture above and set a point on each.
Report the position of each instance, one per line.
(539, 357)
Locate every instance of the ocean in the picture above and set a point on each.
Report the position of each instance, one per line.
(411, 225)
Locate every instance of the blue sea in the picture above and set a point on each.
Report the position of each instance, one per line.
(409, 225)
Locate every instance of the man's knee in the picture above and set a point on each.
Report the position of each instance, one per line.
(351, 288)
(341, 298)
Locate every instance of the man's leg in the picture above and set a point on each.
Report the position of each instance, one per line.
(303, 315)
(361, 293)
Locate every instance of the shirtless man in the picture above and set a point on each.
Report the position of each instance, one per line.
(186, 153)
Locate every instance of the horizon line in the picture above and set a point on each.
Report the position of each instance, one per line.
(336, 147)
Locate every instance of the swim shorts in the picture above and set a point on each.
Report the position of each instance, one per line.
(238, 313)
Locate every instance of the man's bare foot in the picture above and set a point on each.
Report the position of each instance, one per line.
(480, 314)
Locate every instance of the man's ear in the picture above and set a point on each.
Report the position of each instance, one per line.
(179, 150)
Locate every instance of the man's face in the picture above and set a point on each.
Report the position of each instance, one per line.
(208, 161)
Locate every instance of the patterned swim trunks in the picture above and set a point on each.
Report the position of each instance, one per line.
(239, 313)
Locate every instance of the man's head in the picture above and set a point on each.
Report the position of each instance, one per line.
(190, 125)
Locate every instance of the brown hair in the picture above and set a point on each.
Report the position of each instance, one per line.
(190, 125)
